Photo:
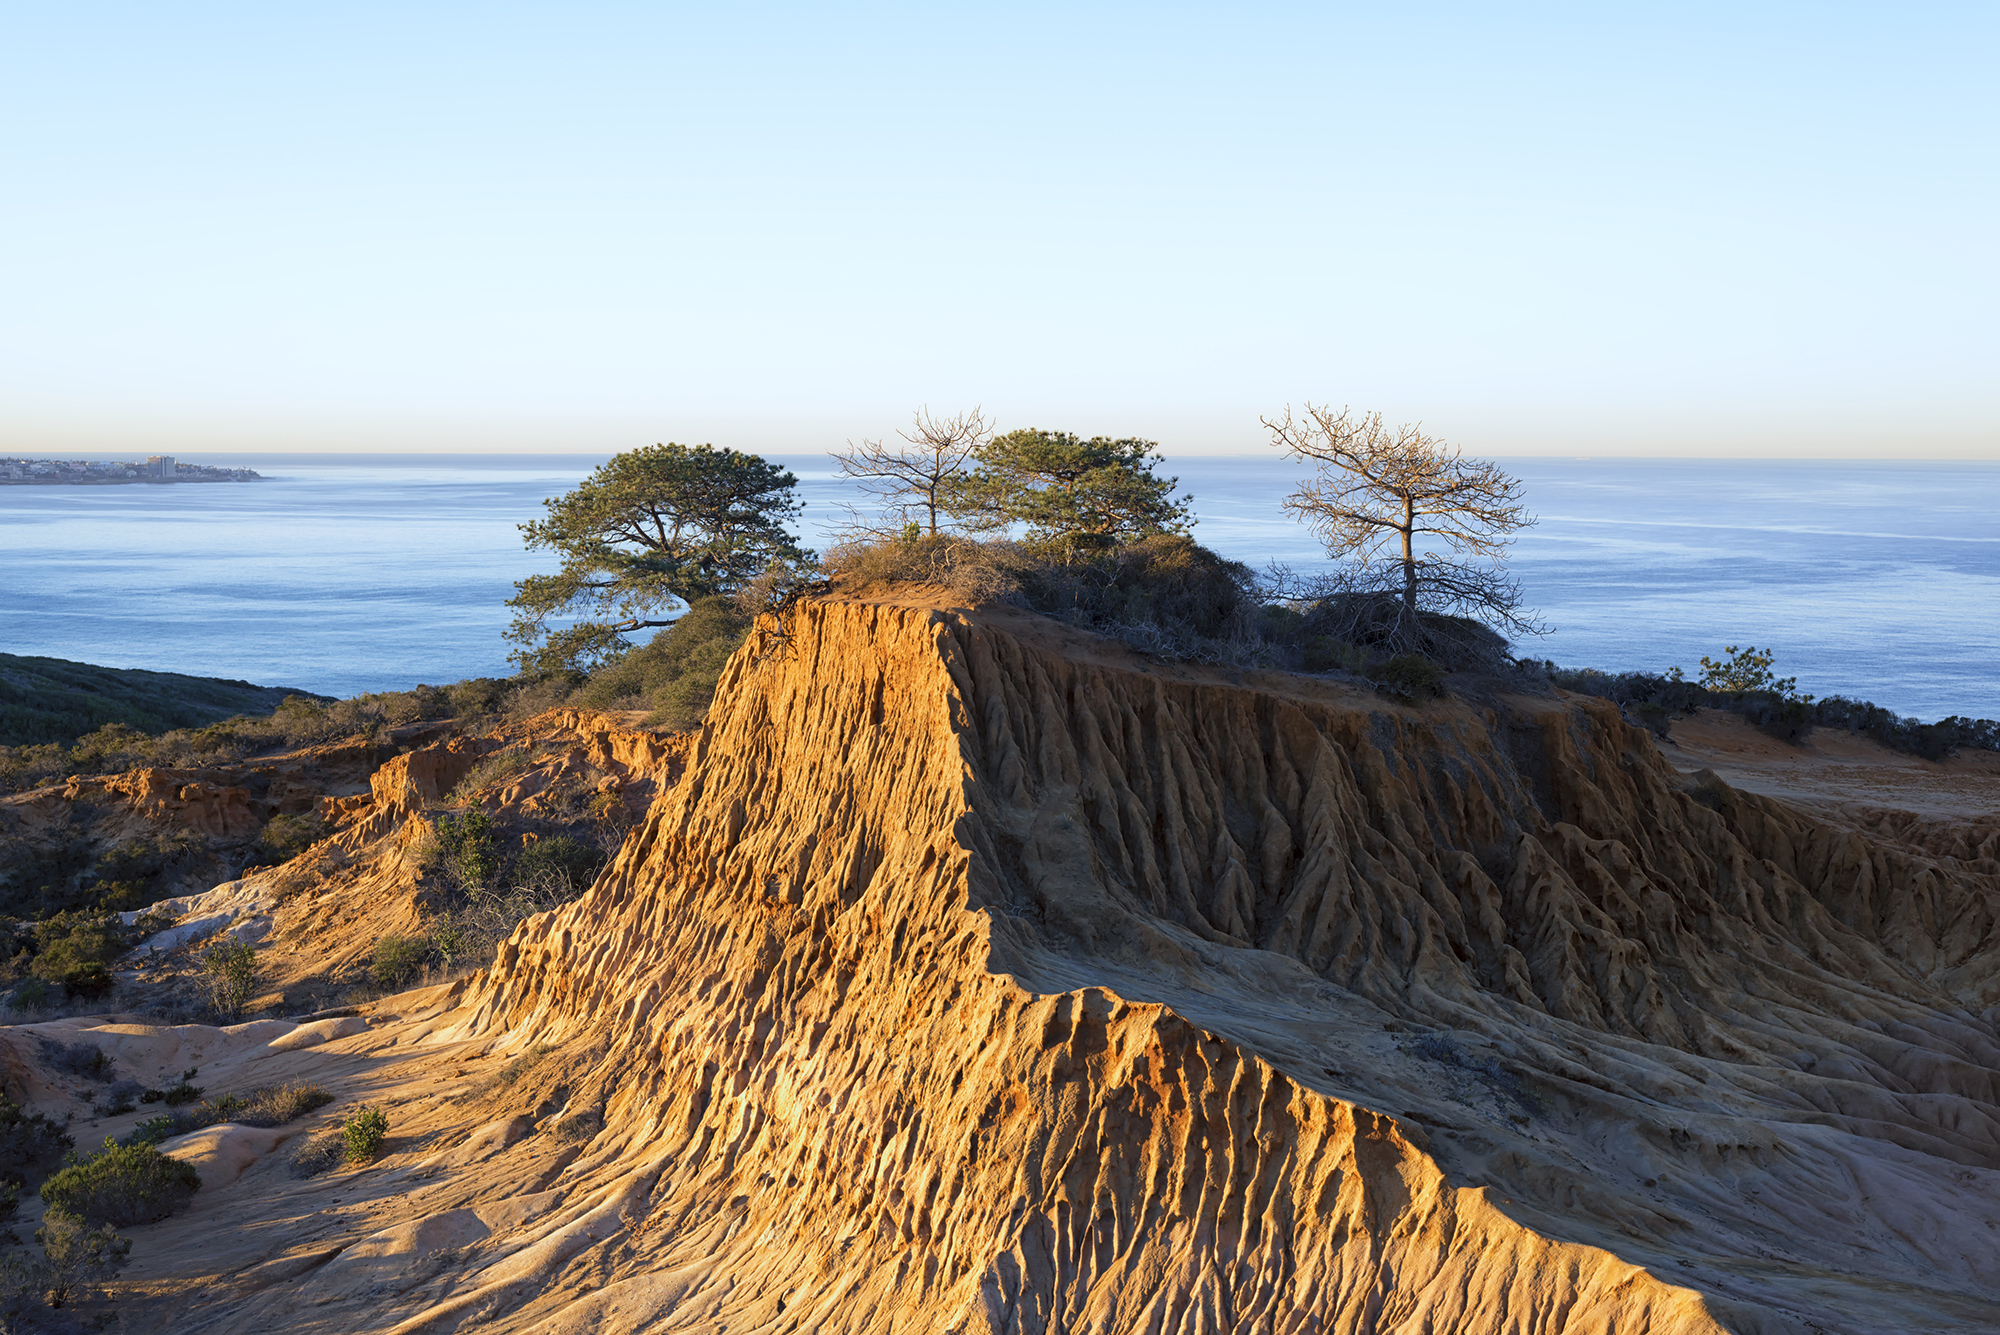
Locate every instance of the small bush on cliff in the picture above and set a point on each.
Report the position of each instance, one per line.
(489, 916)
(468, 847)
(1411, 677)
(366, 1133)
(122, 1185)
(1375, 625)
(230, 969)
(397, 959)
(449, 939)
(974, 571)
(562, 859)
(489, 773)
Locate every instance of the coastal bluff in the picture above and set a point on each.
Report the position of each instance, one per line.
(970, 973)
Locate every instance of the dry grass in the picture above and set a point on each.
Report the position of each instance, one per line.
(272, 1105)
(1168, 595)
(978, 572)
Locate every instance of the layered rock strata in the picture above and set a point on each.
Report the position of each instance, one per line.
(978, 976)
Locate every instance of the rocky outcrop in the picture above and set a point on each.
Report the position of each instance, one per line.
(975, 975)
(195, 800)
(407, 786)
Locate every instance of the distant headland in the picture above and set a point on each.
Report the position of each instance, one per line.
(78, 472)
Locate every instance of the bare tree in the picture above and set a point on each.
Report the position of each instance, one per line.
(912, 483)
(1380, 494)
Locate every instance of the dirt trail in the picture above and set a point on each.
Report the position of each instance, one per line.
(975, 975)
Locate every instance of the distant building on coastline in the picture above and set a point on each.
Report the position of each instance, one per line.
(85, 472)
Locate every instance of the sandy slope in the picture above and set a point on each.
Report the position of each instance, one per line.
(979, 976)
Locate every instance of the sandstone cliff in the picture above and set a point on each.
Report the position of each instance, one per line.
(979, 976)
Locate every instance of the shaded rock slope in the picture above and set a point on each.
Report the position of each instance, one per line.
(975, 975)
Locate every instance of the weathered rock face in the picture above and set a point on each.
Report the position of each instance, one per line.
(976, 976)
(973, 975)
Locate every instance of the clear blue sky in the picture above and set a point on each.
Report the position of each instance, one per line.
(1590, 229)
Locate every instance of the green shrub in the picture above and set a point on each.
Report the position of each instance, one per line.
(153, 1130)
(449, 938)
(141, 871)
(559, 858)
(75, 1256)
(1411, 677)
(181, 1091)
(285, 837)
(84, 1059)
(476, 696)
(1656, 718)
(674, 674)
(468, 846)
(70, 942)
(397, 959)
(29, 1142)
(1167, 581)
(31, 994)
(231, 972)
(365, 1133)
(123, 1185)
(88, 982)
(1788, 720)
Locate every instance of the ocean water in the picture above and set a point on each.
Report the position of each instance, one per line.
(349, 573)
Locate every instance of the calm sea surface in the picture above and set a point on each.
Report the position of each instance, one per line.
(349, 573)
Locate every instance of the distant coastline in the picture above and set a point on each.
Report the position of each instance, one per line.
(96, 473)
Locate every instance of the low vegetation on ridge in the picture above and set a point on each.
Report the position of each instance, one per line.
(46, 700)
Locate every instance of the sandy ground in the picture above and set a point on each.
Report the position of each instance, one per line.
(1836, 769)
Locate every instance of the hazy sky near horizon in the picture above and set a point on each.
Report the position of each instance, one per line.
(1581, 229)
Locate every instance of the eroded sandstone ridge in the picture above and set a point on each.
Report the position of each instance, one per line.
(975, 975)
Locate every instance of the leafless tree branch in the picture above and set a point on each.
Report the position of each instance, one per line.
(1378, 494)
(912, 482)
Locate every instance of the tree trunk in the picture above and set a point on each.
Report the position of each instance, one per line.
(1409, 560)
